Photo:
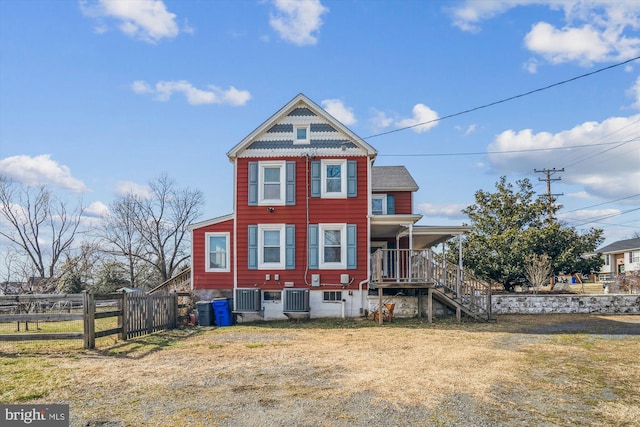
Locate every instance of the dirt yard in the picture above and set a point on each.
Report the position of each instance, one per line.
(520, 371)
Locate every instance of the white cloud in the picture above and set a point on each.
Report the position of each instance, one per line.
(337, 109)
(609, 171)
(421, 114)
(140, 86)
(40, 170)
(634, 92)
(380, 120)
(163, 90)
(297, 21)
(147, 20)
(125, 188)
(96, 210)
(593, 31)
(444, 211)
(585, 45)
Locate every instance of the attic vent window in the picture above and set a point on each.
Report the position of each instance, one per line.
(301, 135)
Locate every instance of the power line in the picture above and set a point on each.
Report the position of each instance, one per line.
(479, 153)
(597, 218)
(511, 98)
(603, 203)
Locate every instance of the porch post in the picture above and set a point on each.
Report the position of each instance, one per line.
(397, 258)
(410, 269)
(379, 305)
(430, 305)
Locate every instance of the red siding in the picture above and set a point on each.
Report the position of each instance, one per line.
(403, 202)
(350, 210)
(210, 280)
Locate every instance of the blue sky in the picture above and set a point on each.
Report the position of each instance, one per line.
(98, 97)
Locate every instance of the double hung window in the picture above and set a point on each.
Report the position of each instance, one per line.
(334, 178)
(272, 175)
(271, 244)
(217, 252)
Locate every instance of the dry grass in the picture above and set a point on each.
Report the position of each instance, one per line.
(522, 370)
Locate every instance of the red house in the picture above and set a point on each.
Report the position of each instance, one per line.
(309, 210)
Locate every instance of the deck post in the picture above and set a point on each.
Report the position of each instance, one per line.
(430, 305)
(380, 320)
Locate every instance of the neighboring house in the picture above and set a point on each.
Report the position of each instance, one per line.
(309, 209)
(621, 257)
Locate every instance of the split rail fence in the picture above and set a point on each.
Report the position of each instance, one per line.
(132, 314)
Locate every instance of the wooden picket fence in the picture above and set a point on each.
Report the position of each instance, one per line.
(137, 313)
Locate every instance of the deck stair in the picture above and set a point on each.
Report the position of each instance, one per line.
(447, 282)
(178, 283)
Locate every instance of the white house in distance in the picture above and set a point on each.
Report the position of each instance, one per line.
(621, 257)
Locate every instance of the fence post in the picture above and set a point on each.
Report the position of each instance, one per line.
(126, 321)
(174, 310)
(122, 317)
(89, 311)
(150, 316)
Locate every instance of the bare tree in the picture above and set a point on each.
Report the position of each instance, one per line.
(154, 228)
(40, 226)
(538, 270)
(122, 237)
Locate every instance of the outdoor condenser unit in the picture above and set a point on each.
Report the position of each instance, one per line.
(248, 300)
(296, 300)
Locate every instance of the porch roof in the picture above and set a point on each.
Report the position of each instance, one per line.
(423, 236)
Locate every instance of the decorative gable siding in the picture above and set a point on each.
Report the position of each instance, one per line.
(278, 140)
(206, 280)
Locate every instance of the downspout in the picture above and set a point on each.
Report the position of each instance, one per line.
(361, 291)
(235, 232)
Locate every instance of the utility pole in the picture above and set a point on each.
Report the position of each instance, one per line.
(548, 178)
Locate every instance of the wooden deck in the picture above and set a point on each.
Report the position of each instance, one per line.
(420, 269)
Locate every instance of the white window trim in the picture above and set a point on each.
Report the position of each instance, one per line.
(343, 178)
(295, 134)
(382, 197)
(283, 189)
(343, 247)
(271, 265)
(207, 267)
(332, 301)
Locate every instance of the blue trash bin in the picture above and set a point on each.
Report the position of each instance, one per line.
(222, 311)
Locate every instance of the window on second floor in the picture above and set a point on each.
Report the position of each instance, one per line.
(272, 183)
(334, 178)
(382, 204)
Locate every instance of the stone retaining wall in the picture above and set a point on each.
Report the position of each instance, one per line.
(542, 304)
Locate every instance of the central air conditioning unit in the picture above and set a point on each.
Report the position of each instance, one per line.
(296, 301)
(248, 300)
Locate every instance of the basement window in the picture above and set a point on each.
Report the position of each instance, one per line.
(272, 296)
(332, 296)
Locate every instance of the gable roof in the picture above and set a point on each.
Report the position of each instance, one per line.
(300, 106)
(621, 246)
(392, 178)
